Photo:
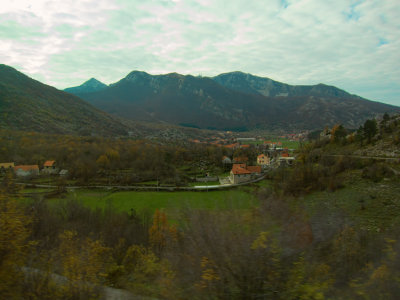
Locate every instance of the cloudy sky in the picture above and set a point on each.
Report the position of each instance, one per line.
(354, 45)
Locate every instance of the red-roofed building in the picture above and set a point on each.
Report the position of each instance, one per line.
(50, 167)
(242, 173)
(26, 170)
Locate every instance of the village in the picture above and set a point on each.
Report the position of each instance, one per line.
(271, 155)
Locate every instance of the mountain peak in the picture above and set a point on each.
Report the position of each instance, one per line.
(89, 86)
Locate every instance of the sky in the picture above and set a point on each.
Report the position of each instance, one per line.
(353, 45)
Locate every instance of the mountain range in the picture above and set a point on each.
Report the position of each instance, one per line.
(144, 105)
(28, 105)
(229, 101)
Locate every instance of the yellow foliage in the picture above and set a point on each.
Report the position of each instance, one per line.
(261, 241)
(209, 273)
(161, 232)
(84, 263)
(13, 246)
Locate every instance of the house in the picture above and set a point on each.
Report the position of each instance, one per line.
(50, 167)
(64, 173)
(263, 160)
(286, 160)
(226, 160)
(6, 166)
(241, 173)
(26, 170)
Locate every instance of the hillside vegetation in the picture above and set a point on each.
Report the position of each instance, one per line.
(327, 228)
(26, 104)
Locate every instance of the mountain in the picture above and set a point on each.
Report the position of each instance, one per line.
(27, 104)
(92, 85)
(251, 84)
(234, 101)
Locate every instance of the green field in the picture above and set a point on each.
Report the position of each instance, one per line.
(168, 201)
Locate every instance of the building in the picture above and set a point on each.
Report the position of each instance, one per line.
(63, 173)
(26, 170)
(6, 166)
(50, 167)
(283, 160)
(263, 160)
(226, 160)
(242, 173)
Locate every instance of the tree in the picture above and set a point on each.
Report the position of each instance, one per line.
(338, 133)
(370, 129)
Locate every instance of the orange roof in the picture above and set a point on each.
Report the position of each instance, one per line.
(244, 146)
(285, 154)
(27, 167)
(254, 169)
(49, 163)
(231, 146)
(240, 170)
(234, 166)
(261, 156)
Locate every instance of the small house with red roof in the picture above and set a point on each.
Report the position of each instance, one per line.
(226, 160)
(50, 167)
(26, 170)
(242, 173)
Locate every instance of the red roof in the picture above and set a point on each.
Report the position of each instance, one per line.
(239, 170)
(285, 154)
(254, 169)
(49, 163)
(243, 169)
(27, 167)
(231, 146)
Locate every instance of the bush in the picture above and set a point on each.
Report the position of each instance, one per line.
(377, 172)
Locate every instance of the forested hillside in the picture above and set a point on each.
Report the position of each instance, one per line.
(27, 104)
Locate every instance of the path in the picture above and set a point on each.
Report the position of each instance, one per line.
(151, 188)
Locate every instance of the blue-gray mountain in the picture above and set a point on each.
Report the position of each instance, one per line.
(92, 85)
(233, 101)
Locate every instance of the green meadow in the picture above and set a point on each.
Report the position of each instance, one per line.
(168, 201)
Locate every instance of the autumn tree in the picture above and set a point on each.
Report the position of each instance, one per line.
(14, 246)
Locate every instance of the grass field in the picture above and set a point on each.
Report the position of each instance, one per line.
(168, 201)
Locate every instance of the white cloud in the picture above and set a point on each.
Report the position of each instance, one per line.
(351, 44)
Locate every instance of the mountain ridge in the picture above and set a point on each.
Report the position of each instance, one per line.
(233, 100)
